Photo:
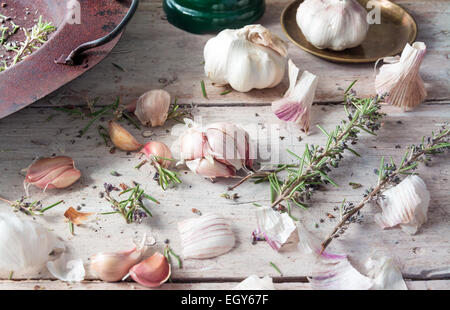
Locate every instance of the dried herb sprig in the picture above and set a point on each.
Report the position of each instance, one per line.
(389, 175)
(30, 208)
(132, 209)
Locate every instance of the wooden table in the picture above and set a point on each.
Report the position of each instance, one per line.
(156, 55)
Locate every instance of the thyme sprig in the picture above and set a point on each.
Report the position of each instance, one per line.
(132, 209)
(389, 174)
(30, 208)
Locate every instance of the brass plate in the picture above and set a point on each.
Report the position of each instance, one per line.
(389, 38)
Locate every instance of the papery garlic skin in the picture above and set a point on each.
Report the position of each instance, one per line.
(67, 269)
(405, 204)
(246, 58)
(158, 149)
(399, 79)
(207, 236)
(385, 275)
(333, 24)
(152, 108)
(276, 227)
(121, 138)
(218, 150)
(52, 172)
(152, 272)
(253, 282)
(25, 245)
(296, 104)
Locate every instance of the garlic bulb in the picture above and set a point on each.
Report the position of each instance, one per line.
(52, 172)
(246, 58)
(253, 282)
(24, 244)
(158, 149)
(121, 138)
(152, 108)
(296, 104)
(207, 236)
(405, 204)
(333, 24)
(399, 78)
(276, 227)
(151, 272)
(112, 267)
(218, 150)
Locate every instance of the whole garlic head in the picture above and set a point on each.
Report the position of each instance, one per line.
(152, 108)
(246, 58)
(333, 24)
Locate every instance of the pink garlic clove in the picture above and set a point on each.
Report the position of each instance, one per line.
(43, 166)
(112, 267)
(151, 272)
(192, 144)
(210, 169)
(158, 149)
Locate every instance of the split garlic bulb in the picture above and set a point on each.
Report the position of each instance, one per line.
(333, 24)
(152, 108)
(246, 58)
(405, 204)
(399, 78)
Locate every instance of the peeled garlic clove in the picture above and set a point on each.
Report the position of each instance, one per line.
(52, 172)
(207, 236)
(276, 227)
(25, 245)
(253, 282)
(246, 58)
(209, 169)
(296, 104)
(152, 272)
(121, 138)
(152, 108)
(405, 204)
(400, 80)
(158, 149)
(112, 267)
(333, 24)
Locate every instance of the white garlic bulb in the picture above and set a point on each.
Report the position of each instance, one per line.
(405, 204)
(333, 24)
(152, 108)
(246, 58)
(399, 78)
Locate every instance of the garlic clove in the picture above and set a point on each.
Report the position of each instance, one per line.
(112, 267)
(121, 138)
(76, 217)
(192, 144)
(52, 172)
(158, 149)
(405, 205)
(333, 24)
(152, 108)
(253, 282)
(276, 227)
(223, 148)
(152, 272)
(210, 169)
(205, 237)
(296, 104)
(399, 79)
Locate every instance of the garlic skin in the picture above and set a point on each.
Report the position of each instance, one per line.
(333, 24)
(296, 104)
(246, 58)
(25, 245)
(276, 227)
(253, 282)
(121, 138)
(399, 78)
(112, 267)
(218, 150)
(66, 269)
(152, 272)
(158, 149)
(385, 275)
(405, 204)
(152, 108)
(207, 236)
(52, 172)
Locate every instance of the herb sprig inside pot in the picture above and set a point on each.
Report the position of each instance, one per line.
(389, 175)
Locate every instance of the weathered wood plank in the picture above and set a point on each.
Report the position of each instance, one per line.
(27, 134)
(158, 55)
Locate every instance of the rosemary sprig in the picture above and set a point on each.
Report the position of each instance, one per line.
(168, 252)
(202, 84)
(165, 176)
(276, 268)
(30, 208)
(132, 209)
(389, 175)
